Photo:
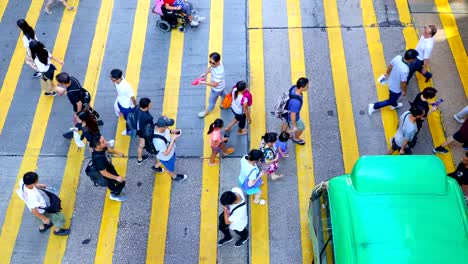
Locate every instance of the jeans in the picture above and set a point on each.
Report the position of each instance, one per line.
(417, 65)
(392, 100)
(244, 234)
(187, 8)
(214, 97)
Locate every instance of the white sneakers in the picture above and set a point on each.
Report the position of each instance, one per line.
(459, 120)
(371, 109)
(400, 105)
(194, 23)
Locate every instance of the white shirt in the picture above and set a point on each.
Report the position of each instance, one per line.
(124, 94)
(26, 42)
(424, 48)
(217, 75)
(237, 103)
(161, 146)
(41, 66)
(32, 197)
(398, 74)
(239, 218)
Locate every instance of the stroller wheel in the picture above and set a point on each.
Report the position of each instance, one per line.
(164, 26)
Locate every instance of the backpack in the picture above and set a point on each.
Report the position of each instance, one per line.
(149, 146)
(94, 173)
(248, 96)
(85, 96)
(132, 121)
(280, 109)
(55, 204)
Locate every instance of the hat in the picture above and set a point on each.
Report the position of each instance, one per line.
(164, 121)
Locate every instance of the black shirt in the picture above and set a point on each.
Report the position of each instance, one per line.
(74, 93)
(460, 174)
(143, 118)
(419, 102)
(100, 162)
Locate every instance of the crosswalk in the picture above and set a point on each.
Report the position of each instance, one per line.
(177, 223)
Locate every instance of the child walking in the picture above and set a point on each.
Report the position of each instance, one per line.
(282, 144)
(269, 162)
(216, 142)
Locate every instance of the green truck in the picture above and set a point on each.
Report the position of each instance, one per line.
(390, 209)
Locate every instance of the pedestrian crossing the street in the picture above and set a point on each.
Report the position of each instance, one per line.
(341, 48)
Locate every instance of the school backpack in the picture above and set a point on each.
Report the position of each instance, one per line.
(132, 119)
(94, 174)
(280, 109)
(55, 204)
(248, 96)
(149, 146)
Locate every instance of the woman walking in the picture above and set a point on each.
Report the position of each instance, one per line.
(250, 177)
(217, 83)
(28, 36)
(240, 108)
(42, 57)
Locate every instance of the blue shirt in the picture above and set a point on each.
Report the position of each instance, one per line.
(179, 3)
(294, 105)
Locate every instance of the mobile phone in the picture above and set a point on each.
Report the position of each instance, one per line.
(177, 132)
(382, 79)
(438, 102)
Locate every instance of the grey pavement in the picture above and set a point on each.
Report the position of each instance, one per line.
(182, 241)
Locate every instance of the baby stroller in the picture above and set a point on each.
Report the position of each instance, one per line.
(171, 18)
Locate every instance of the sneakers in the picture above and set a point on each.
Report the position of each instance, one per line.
(229, 151)
(200, 18)
(182, 29)
(399, 105)
(118, 198)
(124, 132)
(224, 241)
(180, 177)
(37, 74)
(240, 242)
(459, 120)
(193, 23)
(62, 232)
(202, 114)
(111, 143)
(440, 149)
(143, 159)
(157, 170)
(370, 109)
(50, 93)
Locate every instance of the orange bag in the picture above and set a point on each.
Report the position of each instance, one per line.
(226, 103)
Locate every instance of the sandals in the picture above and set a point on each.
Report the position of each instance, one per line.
(260, 202)
(299, 142)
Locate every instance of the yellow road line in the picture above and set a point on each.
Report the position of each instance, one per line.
(377, 58)
(111, 212)
(14, 213)
(340, 81)
(260, 236)
(434, 120)
(16, 64)
(162, 185)
(304, 162)
(210, 175)
(3, 6)
(454, 39)
(57, 245)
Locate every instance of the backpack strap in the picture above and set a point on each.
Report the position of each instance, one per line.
(235, 208)
(163, 138)
(293, 96)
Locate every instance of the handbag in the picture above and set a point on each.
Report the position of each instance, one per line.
(411, 143)
(245, 184)
(227, 101)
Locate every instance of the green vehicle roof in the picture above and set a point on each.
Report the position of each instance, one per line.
(398, 209)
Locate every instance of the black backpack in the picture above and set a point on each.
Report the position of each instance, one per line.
(131, 120)
(94, 173)
(85, 96)
(149, 146)
(55, 204)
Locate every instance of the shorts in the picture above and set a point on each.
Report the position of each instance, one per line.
(459, 137)
(300, 124)
(169, 164)
(395, 147)
(216, 149)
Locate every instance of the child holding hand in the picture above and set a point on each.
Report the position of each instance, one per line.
(282, 144)
(216, 142)
(269, 162)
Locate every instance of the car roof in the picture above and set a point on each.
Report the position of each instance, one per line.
(398, 209)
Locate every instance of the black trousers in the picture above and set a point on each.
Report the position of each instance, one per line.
(417, 65)
(241, 118)
(244, 234)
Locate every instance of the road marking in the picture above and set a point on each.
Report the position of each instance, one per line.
(454, 39)
(210, 175)
(162, 185)
(16, 64)
(3, 6)
(260, 236)
(111, 212)
(340, 82)
(14, 213)
(304, 161)
(434, 120)
(377, 58)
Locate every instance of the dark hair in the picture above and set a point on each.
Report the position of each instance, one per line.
(433, 29)
(228, 198)
(241, 86)
(116, 74)
(218, 123)
(429, 92)
(255, 155)
(38, 50)
(144, 102)
(302, 82)
(411, 54)
(91, 123)
(63, 77)
(417, 110)
(95, 141)
(270, 137)
(28, 31)
(30, 177)
(284, 136)
(215, 56)
(466, 154)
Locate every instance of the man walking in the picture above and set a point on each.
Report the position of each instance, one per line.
(33, 194)
(424, 49)
(234, 217)
(397, 76)
(143, 118)
(165, 145)
(115, 182)
(293, 120)
(126, 100)
(407, 129)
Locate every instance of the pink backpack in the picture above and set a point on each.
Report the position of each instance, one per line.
(248, 96)
(157, 7)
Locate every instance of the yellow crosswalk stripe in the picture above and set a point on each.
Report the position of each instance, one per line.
(3, 6)
(377, 58)
(434, 120)
(340, 82)
(304, 161)
(260, 236)
(111, 210)
(162, 187)
(14, 213)
(210, 175)
(57, 245)
(16, 64)
(454, 39)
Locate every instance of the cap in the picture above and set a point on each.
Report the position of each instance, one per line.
(164, 121)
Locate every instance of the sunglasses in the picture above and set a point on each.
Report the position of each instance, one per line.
(212, 63)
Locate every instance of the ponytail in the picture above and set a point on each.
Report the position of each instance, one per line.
(218, 123)
(240, 86)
